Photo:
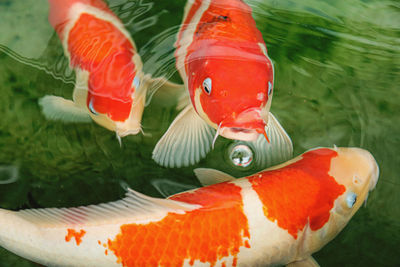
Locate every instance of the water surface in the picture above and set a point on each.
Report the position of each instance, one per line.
(337, 66)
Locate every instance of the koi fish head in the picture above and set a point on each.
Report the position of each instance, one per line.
(358, 172)
(122, 127)
(232, 90)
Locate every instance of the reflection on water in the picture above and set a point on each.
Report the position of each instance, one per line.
(337, 68)
(8, 174)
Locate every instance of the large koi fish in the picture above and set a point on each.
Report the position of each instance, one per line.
(223, 61)
(110, 85)
(277, 216)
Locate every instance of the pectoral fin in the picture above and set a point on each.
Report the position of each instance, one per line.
(58, 108)
(309, 262)
(186, 141)
(168, 188)
(163, 92)
(279, 149)
(211, 176)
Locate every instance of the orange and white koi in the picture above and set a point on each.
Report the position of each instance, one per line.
(277, 216)
(223, 61)
(110, 84)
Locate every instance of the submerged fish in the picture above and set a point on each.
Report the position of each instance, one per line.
(223, 61)
(110, 85)
(278, 216)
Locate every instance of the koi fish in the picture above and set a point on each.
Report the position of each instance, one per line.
(223, 61)
(277, 216)
(110, 85)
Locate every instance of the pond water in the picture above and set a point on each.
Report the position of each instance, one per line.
(337, 66)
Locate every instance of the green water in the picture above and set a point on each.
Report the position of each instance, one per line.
(337, 66)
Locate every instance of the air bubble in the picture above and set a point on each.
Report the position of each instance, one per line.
(241, 155)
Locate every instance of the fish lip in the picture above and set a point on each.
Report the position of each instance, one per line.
(124, 133)
(375, 175)
(245, 127)
(237, 133)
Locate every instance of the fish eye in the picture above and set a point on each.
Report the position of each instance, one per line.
(269, 88)
(136, 82)
(351, 199)
(91, 108)
(207, 86)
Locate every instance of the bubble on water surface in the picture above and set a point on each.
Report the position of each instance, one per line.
(241, 155)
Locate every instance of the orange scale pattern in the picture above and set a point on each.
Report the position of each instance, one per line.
(216, 230)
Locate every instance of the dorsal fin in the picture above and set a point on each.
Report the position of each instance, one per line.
(134, 207)
(58, 108)
(211, 176)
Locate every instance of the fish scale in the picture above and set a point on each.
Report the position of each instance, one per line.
(193, 240)
(278, 216)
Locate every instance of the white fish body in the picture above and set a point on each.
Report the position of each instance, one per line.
(232, 223)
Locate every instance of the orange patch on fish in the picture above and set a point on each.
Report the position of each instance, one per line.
(226, 38)
(74, 234)
(99, 47)
(91, 40)
(300, 193)
(216, 230)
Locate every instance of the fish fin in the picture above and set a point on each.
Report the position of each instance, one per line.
(211, 176)
(134, 207)
(187, 140)
(168, 188)
(58, 108)
(163, 83)
(183, 101)
(279, 149)
(308, 262)
(163, 92)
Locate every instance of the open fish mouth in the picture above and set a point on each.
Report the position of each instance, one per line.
(246, 126)
(239, 133)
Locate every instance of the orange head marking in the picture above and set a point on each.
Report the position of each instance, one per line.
(300, 193)
(227, 91)
(230, 76)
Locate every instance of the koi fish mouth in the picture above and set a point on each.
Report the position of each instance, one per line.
(246, 126)
(123, 132)
(239, 133)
